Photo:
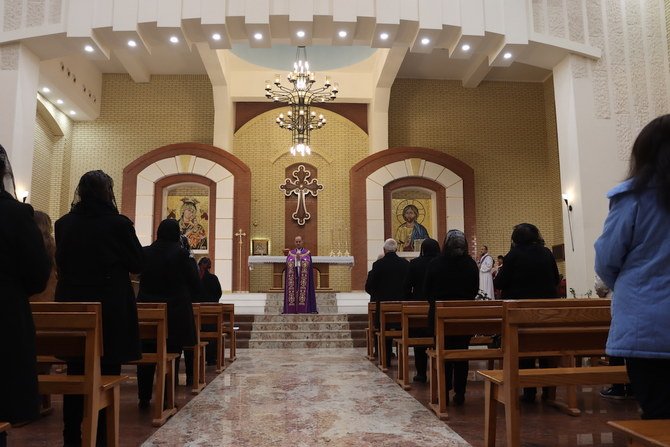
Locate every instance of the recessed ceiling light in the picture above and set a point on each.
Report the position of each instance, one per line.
(89, 49)
(300, 33)
(342, 33)
(72, 112)
(465, 47)
(174, 39)
(258, 36)
(507, 55)
(384, 36)
(46, 89)
(216, 36)
(59, 101)
(425, 41)
(132, 43)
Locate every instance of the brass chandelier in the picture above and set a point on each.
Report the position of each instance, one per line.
(300, 96)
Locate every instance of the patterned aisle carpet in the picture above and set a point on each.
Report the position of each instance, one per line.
(304, 397)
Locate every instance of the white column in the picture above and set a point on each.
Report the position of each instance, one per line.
(378, 120)
(590, 166)
(224, 118)
(19, 77)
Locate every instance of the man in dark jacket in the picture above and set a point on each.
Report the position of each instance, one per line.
(211, 293)
(386, 281)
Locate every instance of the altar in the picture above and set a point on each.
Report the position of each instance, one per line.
(319, 263)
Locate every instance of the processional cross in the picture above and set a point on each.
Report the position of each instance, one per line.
(240, 234)
(301, 187)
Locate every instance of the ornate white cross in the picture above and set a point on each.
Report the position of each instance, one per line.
(301, 187)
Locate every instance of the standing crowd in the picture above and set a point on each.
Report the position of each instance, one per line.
(91, 259)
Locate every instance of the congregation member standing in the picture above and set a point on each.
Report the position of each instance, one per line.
(24, 270)
(167, 277)
(632, 258)
(299, 291)
(45, 226)
(385, 282)
(96, 250)
(211, 293)
(414, 291)
(453, 276)
(529, 271)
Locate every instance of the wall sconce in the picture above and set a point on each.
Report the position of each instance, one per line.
(566, 199)
(24, 195)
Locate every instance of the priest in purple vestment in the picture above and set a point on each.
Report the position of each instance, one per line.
(299, 294)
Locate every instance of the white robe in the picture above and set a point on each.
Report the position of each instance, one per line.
(486, 277)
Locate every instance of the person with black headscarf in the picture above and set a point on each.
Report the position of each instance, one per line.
(96, 249)
(529, 271)
(168, 277)
(453, 275)
(414, 291)
(24, 270)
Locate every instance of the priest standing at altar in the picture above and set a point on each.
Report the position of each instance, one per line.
(299, 293)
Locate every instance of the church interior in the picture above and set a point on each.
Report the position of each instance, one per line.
(482, 114)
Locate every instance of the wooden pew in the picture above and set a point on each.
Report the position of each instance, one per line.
(4, 426)
(414, 316)
(153, 324)
(198, 354)
(370, 333)
(644, 433)
(211, 314)
(462, 317)
(229, 329)
(63, 330)
(390, 312)
(537, 328)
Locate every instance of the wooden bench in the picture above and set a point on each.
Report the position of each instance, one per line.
(479, 319)
(414, 317)
(64, 330)
(4, 427)
(370, 331)
(389, 312)
(198, 354)
(153, 325)
(544, 328)
(211, 314)
(229, 329)
(639, 433)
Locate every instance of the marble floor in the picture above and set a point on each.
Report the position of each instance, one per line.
(333, 397)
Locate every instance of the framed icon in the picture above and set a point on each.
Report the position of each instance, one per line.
(260, 247)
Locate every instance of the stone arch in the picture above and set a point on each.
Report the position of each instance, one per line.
(368, 178)
(232, 180)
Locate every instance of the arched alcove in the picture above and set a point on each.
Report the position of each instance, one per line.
(370, 176)
(230, 179)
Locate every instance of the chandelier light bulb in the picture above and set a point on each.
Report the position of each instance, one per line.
(300, 33)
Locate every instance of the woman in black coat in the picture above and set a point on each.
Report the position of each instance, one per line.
(414, 284)
(453, 276)
(96, 249)
(529, 271)
(24, 270)
(168, 277)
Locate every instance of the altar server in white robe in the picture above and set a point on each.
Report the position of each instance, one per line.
(486, 290)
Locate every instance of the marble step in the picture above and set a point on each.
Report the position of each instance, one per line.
(325, 303)
(301, 335)
(312, 326)
(300, 318)
(280, 344)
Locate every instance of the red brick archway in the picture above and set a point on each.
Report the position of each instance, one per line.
(364, 168)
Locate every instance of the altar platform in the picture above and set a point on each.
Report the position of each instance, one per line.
(247, 303)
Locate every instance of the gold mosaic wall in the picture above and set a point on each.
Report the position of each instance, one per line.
(504, 131)
(260, 143)
(136, 118)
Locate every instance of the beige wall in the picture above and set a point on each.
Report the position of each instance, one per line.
(263, 146)
(506, 132)
(136, 118)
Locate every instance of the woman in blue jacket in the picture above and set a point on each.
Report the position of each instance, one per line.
(632, 258)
